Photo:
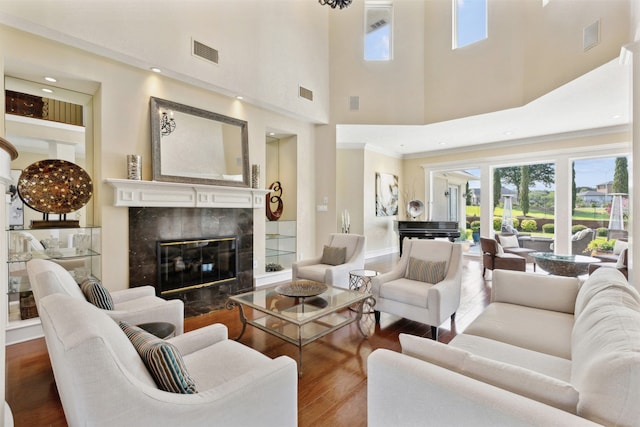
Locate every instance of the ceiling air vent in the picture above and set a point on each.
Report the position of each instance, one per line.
(203, 51)
(305, 93)
(591, 35)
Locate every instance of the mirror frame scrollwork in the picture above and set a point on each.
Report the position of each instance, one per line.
(157, 107)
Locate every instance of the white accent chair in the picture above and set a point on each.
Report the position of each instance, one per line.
(334, 275)
(134, 305)
(422, 302)
(102, 381)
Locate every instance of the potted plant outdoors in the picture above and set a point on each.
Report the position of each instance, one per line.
(462, 239)
(600, 246)
(475, 231)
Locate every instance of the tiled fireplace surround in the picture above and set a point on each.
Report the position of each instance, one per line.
(169, 211)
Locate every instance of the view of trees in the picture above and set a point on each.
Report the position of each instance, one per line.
(527, 177)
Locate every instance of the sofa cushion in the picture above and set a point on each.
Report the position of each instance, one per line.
(509, 241)
(426, 271)
(96, 294)
(532, 328)
(599, 280)
(232, 360)
(405, 291)
(606, 353)
(332, 255)
(619, 246)
(581, 234)
(546, 364)
(524, 382)
(162, 359)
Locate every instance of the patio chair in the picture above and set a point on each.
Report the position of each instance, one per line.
(494, 257)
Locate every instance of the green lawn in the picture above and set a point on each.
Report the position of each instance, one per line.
(579, 213)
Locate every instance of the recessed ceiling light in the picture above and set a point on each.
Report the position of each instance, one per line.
(156, 69)
(51, 79)
(443, 143)
(239, 97)
(272, 133)
(616, 116)
(44, 89)
(509, 132)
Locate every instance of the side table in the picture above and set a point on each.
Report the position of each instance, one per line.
(360, 280)
(164, 330)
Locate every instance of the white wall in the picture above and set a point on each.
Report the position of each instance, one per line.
(266, 48)
(122, 127)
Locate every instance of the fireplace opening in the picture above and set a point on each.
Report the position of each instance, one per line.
(188, 264)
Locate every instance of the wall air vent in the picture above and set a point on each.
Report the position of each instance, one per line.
(379, 23)
(354, 103)
(591, 35)
(205, 52)
(305, 93)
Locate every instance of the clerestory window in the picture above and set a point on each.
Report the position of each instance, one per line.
(469, 22)
(378, 34)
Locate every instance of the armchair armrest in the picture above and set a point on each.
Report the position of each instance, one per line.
(419, 391)
(200, 338)
(123, 295)
(306, 262)
(556, 293)
(378, 280)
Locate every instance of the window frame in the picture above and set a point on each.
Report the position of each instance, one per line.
(372, 5)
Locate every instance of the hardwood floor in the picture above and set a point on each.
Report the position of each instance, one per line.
(333, 388)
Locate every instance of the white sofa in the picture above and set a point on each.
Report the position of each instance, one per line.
(548, 350)
(102, 381)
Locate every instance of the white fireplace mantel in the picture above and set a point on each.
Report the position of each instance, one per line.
(135, 193)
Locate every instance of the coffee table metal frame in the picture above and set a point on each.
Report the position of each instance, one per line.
(300, 321)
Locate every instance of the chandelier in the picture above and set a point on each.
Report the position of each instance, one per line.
(167, 125)
(333, 3)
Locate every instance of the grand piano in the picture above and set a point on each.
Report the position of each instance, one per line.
(427, 230)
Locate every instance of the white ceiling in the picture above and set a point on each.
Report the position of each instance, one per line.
(597, 101)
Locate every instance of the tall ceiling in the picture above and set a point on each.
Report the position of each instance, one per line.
(599, 101)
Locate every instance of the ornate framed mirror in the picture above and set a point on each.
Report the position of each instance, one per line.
(196, 146)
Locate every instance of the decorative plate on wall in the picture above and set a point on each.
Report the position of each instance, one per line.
(55, 186)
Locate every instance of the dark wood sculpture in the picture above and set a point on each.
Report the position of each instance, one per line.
(274, 215)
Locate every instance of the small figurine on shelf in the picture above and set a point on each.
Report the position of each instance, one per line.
(273, 267)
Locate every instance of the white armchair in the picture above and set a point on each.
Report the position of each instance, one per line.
(133, 305)
(103, 381)
(334, 275)
(415, 289)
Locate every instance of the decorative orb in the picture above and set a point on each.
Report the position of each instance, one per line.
(55, 186)
(415, 208)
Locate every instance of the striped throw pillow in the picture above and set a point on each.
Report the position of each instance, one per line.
(426, 271)
(96, 294)
(162, 359)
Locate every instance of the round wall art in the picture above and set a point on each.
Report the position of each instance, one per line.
(54, 186)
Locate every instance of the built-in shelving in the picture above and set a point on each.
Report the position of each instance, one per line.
(76, 249)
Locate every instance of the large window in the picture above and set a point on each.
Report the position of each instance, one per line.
(378, 18)
(524, 199)
(469, 22)
(600, 199)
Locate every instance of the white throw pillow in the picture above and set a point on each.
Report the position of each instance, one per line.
(619, 246)
(509, 241)
(500, 250)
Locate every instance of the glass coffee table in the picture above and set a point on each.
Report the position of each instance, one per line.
(563, 265)
(301, 320)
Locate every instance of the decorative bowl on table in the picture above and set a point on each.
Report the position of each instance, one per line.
(301, 288)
